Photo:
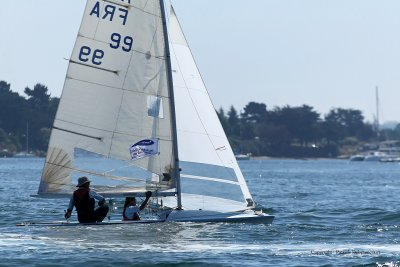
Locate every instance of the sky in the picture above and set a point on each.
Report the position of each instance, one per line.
(325, 54)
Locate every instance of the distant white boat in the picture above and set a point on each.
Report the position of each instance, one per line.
(390, 159)
(243, 156)
(24, 155)
(371, 156)
(357, 157)
(376, 156)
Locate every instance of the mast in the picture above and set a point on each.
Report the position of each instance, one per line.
(172, 106)
(27, 138)
(377, 113)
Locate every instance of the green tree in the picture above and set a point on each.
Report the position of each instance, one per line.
(42, 109)
(346, 123)
(38, 97)
(233, 122)
(13, 109)
(254, 113)
(301, 122)
(223, 119)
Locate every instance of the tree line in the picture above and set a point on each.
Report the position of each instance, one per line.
(278, 132)
(20, 116)
(299, 131)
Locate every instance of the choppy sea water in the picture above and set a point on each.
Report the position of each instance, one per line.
(328, 213)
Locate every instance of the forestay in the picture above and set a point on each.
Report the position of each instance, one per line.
(210, 178)
(115, 95)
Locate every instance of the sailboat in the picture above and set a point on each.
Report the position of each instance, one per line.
(25, 154)
(377, 154)
(135, 115)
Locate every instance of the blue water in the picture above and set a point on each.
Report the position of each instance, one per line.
(328, 213)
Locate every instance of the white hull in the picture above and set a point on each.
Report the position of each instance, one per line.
(212, 216)
(242, 157)
(174, 216)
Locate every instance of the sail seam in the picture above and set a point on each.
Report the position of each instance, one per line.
(114, 87)
(209, 179)
(112, 177)
(104, 130)
(207, 134)
(118, 4)
(133, 6)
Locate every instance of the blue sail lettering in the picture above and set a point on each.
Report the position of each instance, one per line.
(109, 10)
(124, 14)
(96, 10)
(86, 53)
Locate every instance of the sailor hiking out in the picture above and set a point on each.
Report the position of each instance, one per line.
(84, 200)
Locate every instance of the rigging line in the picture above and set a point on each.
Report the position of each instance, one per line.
(170, 4)
(81, 134)
(128, 6)
(190, 95)
(116, 72)
(98, 129)
(113, 87)
(112, 177)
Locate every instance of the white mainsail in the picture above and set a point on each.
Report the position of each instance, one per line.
(115, 95)
(210, 178)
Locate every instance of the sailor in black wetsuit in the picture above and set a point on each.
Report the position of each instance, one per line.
(84, 201)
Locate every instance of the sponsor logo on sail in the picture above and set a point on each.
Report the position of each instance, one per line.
(144, 148)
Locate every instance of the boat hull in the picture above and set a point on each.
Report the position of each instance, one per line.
(212, 216)
(173, 216)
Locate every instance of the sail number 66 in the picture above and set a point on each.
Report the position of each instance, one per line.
(125, 43)
(95, 56)
(86, 54)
